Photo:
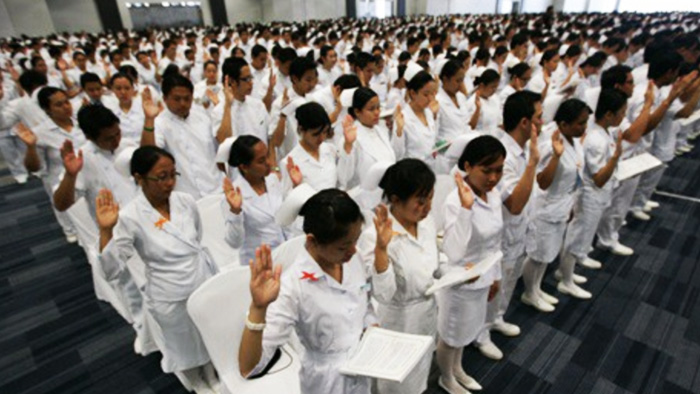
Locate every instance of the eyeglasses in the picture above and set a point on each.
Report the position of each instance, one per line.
(163, 178)
(246, 79)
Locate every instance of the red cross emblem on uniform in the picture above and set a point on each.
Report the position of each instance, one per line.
(309, 275)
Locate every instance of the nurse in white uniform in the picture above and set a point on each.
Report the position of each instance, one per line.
(412, 258)
(129, 109)
(164, 228)
(324, 297)
(484, 106)
(558, 178)
(602, 149)
(262, 194)
(420, 130)
(520, 75)
(452, 97)
(473, 228)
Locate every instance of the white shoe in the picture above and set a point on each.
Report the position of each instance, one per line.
(21, 179)
(686, 148)
(490, 350)
(641, 216)
(548, 298)
(574, 291)
(678, 152)
(451, 389)
(537, 303)
(71, 238)
(590, 263)
(507, 329)
(203, 388)
(467, 381)
(578, 279)
(621, 250)
(652, 204)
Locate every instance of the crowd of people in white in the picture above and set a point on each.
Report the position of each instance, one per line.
(403, 148)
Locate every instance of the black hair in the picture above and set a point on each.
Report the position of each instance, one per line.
(35, 60)
(92, 119)
(362, 59)
(325, 49)
(596, 60)
(360, 98)
(518, 70)
(482, 151)
(519, 105)
(257, 50)
(487, 77)
(615, 75)
(482, 54)
(120, 75)
(89, 77)
(663, 63)
(347, 81)
(329, 214)
(570, 110)
(500, 51)
(145, 157)
(404, 56)
(210, 63)
(450, 69)
(32, 79)
(518, 39)
(548, 55)
(610, 100)
(287, 55)
(232, 68)
(311, 116)
(171, 69)
(419, 80)
(44, 96)
(242, 150)
(176, 80)
(573, 51)
(130, 71)
(300, 66)
(407, 178)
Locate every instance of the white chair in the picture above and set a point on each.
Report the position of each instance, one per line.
(444, 184)
(287, 252)
(214, 228)
(222, 329)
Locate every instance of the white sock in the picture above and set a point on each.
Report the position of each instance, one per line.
(566, 266)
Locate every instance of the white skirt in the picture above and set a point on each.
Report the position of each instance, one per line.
(461, 314)
(544, 240)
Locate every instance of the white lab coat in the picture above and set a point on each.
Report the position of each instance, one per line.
(291, 125)
(491, 115)
(400, 290)
(598, 149)
(553, 206)
(471, 235)
(176, 265)
(419, 139)
(453, 120)
(325, 173)
(191, 143)
(327, 77)
(248, 117)
(327, 316)
(131, 122)
(257, 217)
(372, 145)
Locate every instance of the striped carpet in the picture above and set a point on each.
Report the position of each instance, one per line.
(640, 333)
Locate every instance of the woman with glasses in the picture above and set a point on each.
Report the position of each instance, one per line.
(164, 228)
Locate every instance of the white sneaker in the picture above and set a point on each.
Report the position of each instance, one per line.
(21, 179)
(548, 298)
(652, 204)
(624, 223)
(686, 148)
(451, 389)
(678, 152)
(578, 279)
(622, 250)
(490, 350)
(590, 263)
(71, 238)
(641, 216)
(467, 381)
(507, 329)
(574, 291)
(537, 303)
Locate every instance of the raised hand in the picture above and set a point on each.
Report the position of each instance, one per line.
(466, 197)
(534, 151)
(649, 93)
(383, 225)
(107, 210)
(400, 122)
(434, 106)
(213, 97)
(264, 279)
(233, 196)
(294, 172)
(26, 135)
(285, 98)
(61, 65)
(71, 162)
(273, 79)
(477, 98)
(228, 91)
(337, 90)
(349, 130)
(618, 146)
(150, 109)
(557, 143)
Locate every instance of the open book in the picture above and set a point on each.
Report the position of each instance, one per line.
(386, 354)
(458, 277)
(636, 165)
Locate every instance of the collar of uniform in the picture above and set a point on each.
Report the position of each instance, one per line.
(96, 150)
(172, 116)
(478, 200)
(399, 230)
(512, 145)
(308, 266)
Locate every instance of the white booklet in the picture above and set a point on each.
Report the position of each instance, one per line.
(458, 277)
(694, 117)
(386, 354)
(636, 165)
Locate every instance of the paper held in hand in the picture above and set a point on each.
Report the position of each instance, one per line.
(386, 354)
(458, 277)
(636, 165)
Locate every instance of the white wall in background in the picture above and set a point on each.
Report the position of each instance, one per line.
(30, 17)
(126, 17)
(537, 6)
(7, 29)
(74, 15)
(244, 11)
(441, 7)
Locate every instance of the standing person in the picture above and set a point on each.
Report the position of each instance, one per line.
(473, 227)
(164, 228)
(558, 178)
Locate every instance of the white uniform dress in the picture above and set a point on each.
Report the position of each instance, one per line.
(131, 122)
(176, 265)
(327, 316)
(553, 206)
(471, 235)
(192, 144)
(419, 139)
(491, 115)
(598, 149)
(372, 145)
(325, 173)
(257, 217)
(400, 290)
(453, 120)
